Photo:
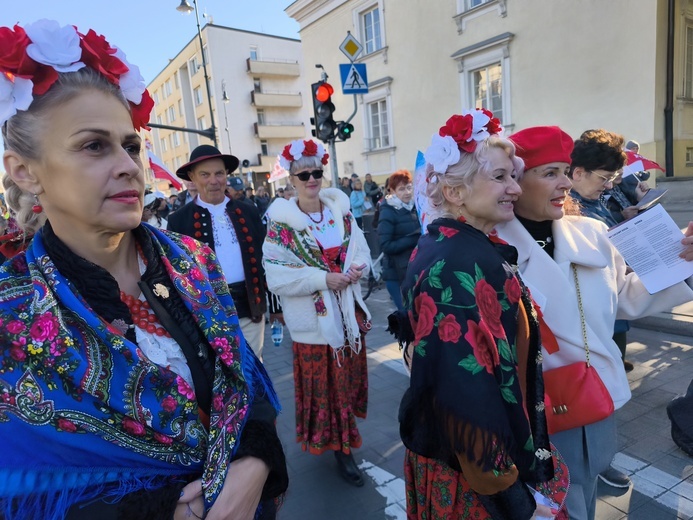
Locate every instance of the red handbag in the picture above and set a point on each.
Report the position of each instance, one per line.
(575, 394)
(364, 323)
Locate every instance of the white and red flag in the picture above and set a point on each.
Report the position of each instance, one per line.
(637, 163)
(277, 172)
(160, 170)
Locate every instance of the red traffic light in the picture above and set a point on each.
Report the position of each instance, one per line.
(323, 92)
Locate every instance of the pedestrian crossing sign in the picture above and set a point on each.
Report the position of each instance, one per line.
(354, 78)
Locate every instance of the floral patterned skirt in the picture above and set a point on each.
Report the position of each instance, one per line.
(330, 393)
(435, 491)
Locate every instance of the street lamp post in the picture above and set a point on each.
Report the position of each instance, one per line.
(225, 99)
(186, 8)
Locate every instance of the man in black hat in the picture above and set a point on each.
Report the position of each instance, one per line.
(233, 229)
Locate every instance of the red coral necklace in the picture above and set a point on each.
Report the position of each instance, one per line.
(143, 316)
(322, 215)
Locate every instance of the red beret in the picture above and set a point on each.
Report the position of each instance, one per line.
(542, 145)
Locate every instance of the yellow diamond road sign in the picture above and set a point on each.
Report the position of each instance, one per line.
(351, 47)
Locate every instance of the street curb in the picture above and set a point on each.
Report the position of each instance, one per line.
(665, 323)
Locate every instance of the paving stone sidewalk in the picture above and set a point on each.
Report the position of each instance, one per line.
(662, 474)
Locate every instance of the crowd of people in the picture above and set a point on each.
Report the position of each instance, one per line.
(132, 325)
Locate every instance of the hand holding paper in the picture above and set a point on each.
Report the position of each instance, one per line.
(687, 254)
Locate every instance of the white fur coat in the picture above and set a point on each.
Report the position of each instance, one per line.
(291, 257)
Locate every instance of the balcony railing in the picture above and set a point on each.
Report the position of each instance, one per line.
(280, 130)
(276, 99)
(273, 67)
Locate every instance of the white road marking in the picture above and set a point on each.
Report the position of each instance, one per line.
(389, 486)
(667, 490)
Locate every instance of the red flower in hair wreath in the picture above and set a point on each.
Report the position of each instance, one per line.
(302, 148)
(39, 51)
(461, 133)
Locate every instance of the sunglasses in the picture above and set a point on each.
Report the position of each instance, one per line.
(304, 176)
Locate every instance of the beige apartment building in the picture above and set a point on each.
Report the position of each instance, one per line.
(579, 64)
(258, 97)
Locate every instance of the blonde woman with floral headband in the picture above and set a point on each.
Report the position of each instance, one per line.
(472, 420)
(126, 387)
(314, 256)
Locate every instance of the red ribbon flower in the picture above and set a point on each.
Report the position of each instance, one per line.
(98, 54)
(141, 112)
(494, 125)
(286, 153)
(14, 44)
(311, 148)
(460, 129)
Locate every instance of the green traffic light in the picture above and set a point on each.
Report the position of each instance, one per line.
(344, 130)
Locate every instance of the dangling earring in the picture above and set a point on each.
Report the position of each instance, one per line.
(36, 208)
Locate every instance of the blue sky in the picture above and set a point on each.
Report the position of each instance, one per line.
(150, 32)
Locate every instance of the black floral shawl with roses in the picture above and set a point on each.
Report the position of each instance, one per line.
(465, 396)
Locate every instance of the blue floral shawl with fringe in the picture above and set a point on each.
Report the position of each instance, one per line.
(83, 412)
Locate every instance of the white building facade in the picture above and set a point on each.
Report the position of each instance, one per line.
(579, 65)
(258, 98)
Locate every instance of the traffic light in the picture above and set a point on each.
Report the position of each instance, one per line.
(344, 130)
(323, 109)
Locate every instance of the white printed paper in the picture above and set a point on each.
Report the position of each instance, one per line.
(650, 243)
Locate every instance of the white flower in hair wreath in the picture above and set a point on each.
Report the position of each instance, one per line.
(296, 149)
(47, 44)
(14, 96)
(131, 83)
(54, 45)
(442, 153)
(461, 133)
(479, 131)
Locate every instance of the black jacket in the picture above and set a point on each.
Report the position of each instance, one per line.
(180, 200)
(196, 221)
(399, 232)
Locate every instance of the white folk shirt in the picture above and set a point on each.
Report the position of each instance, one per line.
(326, 232)
(226, 245)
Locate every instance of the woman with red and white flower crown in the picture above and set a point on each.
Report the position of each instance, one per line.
(314, 256)
(127, 389)
(472, 420)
